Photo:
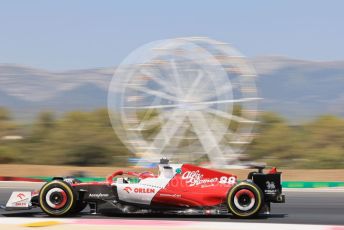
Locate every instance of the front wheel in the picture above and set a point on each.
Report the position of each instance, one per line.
(57, 198)
(245, 200)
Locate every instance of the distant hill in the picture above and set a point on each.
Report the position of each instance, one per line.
(26, 91)
(297, 89)
(300, 90)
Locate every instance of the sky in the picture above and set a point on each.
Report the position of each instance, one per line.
(64, 34)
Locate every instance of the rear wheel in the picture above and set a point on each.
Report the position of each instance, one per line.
(245, 200)
(57, 198)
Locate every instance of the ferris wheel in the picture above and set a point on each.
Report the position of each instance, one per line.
(191, 99)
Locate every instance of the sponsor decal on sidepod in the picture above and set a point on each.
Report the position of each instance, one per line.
(139, 190)
(97, 195)
(194, 178)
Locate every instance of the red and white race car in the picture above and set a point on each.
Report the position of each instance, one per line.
(177, 189)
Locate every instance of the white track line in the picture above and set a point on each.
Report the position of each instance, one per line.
(147, 224)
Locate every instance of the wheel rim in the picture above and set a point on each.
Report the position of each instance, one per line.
(244, 200)
(56, 198)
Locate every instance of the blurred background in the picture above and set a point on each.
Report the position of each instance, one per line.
(58, 58)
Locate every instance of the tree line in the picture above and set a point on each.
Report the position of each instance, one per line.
(87, 139)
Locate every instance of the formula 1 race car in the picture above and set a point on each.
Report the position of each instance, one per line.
(177, 189)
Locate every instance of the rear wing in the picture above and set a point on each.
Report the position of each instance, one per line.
(270, 183)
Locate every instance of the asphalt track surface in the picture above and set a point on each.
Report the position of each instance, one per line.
(301, 207)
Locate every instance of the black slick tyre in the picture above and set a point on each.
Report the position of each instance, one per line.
(57, 198)
(244, 200)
